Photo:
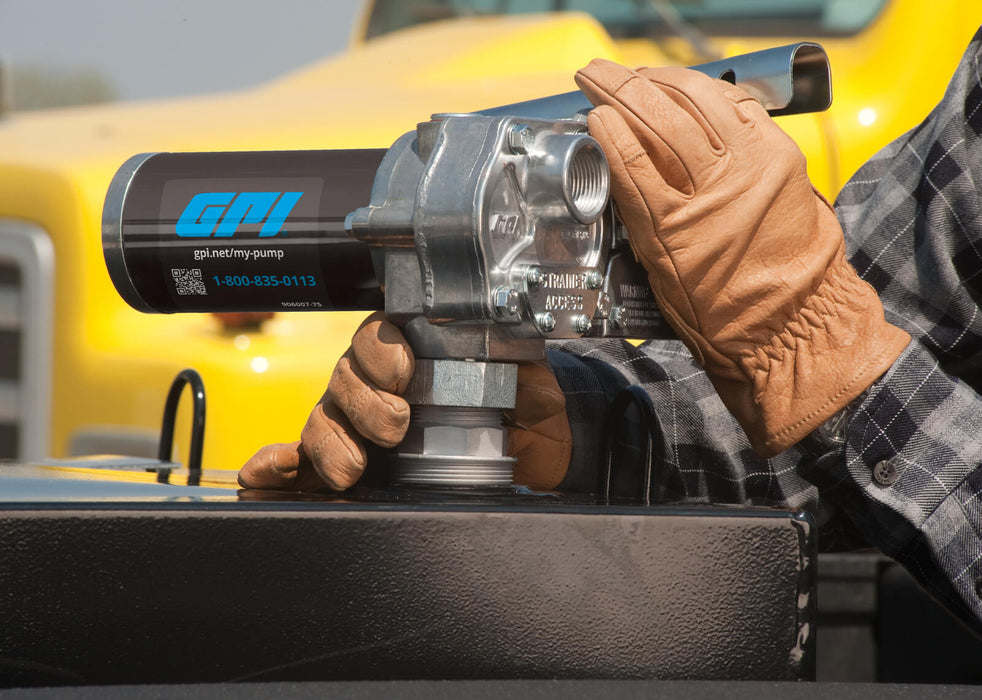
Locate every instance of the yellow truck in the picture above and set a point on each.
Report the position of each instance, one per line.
(82, 373)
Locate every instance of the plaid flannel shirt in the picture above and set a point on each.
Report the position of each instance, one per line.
(908, 478)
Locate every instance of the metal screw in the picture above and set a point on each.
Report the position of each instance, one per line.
(506, 301)
(534, 277)
(546, 321)
(581, 323)
(520, 138)
(594, 280)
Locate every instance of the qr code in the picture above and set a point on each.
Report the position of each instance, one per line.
(187, 281)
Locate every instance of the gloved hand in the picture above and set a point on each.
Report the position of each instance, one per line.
(745, 258)
(362, 402)
(539, 436)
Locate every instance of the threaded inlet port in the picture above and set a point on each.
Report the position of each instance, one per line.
(587, 181)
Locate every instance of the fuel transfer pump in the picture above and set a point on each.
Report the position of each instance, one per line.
(482, 235)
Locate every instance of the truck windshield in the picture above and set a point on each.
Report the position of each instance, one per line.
(641, 18)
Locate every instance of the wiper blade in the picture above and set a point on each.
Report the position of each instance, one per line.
(701, 44)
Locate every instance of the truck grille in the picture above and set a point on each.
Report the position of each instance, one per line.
(26, 315)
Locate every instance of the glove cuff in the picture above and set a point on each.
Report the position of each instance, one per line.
(830, 351)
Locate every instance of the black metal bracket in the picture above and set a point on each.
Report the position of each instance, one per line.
(166, 445)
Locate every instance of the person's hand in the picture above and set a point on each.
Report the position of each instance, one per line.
(363, 402)
(539, 436)
(745, 258)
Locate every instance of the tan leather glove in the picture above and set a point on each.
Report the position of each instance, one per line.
(539, 436)
(362, 401)
(746, 259)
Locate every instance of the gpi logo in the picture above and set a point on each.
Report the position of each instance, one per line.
(221, 213)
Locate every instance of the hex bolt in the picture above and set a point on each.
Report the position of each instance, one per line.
(520, 138)
(581, 323)
(534, 277)
(546, 321)
(603, 305)
(594, 280)
(506, 301)
(616, 317)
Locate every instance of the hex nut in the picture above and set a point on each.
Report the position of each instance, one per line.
(462, 383)
(617, 317)
(506, 301)
(520, 139)
(603, 305)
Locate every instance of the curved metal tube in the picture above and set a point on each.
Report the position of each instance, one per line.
(191, 377)
(791, 79)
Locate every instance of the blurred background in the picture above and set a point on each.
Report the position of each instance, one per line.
(82, 373)
(56, 53)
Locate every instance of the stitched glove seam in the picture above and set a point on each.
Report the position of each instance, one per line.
(833, 400)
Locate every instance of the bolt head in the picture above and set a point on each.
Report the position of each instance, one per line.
(506, 301)
(594, 280)
(603, 305)
(581, 323)
(535, 277)
(546, 321)
(520, 139)
(617, 317)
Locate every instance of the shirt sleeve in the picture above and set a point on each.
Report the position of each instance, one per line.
(910, 476)
(912, 216)
(701, 456)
